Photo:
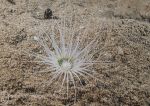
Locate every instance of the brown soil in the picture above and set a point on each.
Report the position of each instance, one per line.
(123, 27)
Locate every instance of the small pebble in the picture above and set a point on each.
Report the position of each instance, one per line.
(36, 38)
(48, 14)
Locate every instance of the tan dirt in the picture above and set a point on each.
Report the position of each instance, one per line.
(123, 30)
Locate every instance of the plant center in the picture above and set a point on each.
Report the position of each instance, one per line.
(65, 63)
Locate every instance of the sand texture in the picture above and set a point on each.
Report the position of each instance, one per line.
(123, 30)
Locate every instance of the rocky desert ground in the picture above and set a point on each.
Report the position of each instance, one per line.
(123, 30)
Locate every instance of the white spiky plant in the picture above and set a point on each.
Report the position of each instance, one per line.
(66, 57)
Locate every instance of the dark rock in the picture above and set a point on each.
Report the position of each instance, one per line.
(48, 14)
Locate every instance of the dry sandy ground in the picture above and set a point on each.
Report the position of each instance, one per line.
(123, 28)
